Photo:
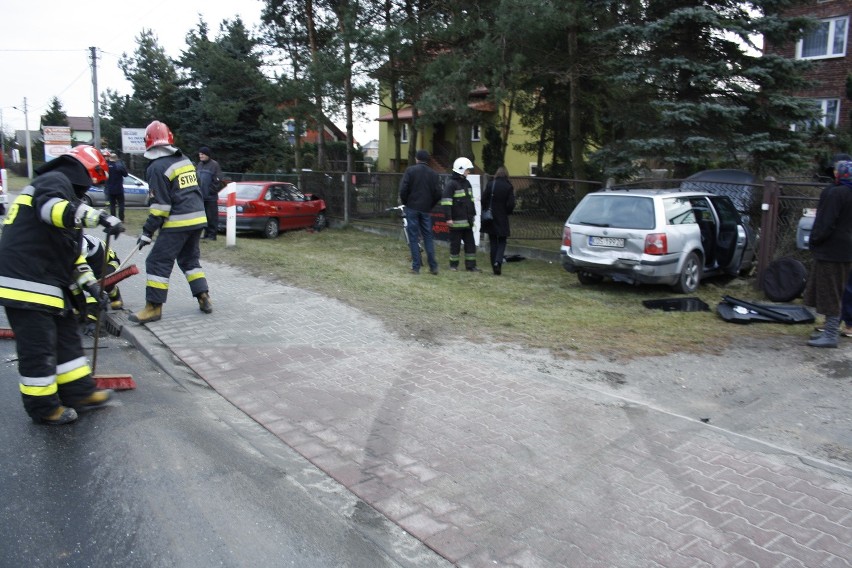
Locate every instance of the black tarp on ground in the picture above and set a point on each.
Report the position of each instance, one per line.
(741, 311)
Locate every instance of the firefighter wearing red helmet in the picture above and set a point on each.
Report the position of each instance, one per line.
(40, 263)
(177, 212)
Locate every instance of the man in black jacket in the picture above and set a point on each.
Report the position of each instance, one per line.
(419, 191)
(114, 189)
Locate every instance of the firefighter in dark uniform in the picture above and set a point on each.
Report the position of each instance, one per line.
(93, 249)
(40, 260)
(459, 211)
(177, 211)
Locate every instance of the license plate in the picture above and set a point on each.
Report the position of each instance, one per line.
(606, 242)
(222, 209)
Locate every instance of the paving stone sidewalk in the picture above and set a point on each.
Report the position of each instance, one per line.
(491, 463)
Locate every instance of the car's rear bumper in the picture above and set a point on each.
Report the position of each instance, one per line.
(662, 270)
(245, 223)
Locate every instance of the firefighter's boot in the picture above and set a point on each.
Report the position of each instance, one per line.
(151, 312)
(204, 303)
(95, 400)
(115, 301)
(61, 415)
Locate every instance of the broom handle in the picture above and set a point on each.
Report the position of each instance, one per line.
(100, 315)
(127, 260)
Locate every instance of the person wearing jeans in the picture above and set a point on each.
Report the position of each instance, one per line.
(420, 191)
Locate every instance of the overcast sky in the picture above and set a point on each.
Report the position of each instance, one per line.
(44, 49)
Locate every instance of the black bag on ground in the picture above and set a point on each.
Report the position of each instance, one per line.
(784, 279)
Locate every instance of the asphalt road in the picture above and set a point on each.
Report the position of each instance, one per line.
(171, 474)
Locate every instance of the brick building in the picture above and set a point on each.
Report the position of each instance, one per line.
(827, 47)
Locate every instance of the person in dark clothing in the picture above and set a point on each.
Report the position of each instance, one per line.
(499, 197)
(459, 210)
(177, 212)
(114, 189)
(40, 265)
(831, 247)
(210, 181)
(420, 191)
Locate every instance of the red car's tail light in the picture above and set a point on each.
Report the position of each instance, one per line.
(656, 243)
(566, 237)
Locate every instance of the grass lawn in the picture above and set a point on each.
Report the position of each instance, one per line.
(535, 303)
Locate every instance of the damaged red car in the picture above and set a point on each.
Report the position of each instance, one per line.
(270, 207)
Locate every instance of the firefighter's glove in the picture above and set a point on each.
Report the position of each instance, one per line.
(143, 241)
(102, 299)
(112, 225)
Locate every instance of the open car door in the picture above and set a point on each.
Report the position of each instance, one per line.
(728, 248)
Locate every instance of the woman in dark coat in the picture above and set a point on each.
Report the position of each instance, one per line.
(831, 246)
(499, 196)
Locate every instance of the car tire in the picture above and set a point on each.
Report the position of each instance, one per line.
(270, 230)
(587, 278)
(321, 221)
(690, 274)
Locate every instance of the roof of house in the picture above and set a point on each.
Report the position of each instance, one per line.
(79, 123)
(405, 113)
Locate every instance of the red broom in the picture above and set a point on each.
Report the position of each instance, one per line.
(114, 382)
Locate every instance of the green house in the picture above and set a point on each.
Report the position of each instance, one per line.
(441, 139)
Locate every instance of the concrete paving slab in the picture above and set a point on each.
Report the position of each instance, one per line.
(495, 459)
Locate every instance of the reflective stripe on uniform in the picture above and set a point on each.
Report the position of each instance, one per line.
(39, 386)
(53, 210)
(186, 220)
(159, 209)
(87, 216)
(72, 370)
(194, 274)
(160, 282)
(31, 292)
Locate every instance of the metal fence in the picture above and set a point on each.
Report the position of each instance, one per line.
(543, 204)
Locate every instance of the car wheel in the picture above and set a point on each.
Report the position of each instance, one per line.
(690, 275)
(321, 221)
(589, 278)
(270, 231)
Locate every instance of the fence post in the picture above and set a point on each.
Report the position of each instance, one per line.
(768, 227)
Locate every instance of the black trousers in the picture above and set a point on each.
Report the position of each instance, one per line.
(183, 247)
(52, 367)
(116, 200)
(497, 248)
(211, 209)
(456, 237)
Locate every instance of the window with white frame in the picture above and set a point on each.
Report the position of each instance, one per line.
(829, 114)
(533, 168)
(475, 133)
(403, 133)
(828, 39)
(830, 109)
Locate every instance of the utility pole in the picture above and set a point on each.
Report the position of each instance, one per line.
(29, 144)
(2, 143)
(96, 116)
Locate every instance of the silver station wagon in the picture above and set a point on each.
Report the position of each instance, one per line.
(649, 236)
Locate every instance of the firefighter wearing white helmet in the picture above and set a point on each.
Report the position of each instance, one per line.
(177, 212)
(39, 260)
(459, 211)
